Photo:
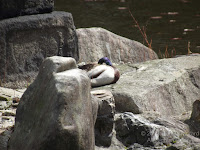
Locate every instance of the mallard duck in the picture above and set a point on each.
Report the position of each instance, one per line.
(101, 74)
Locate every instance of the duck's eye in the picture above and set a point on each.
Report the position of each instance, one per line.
(108, 63)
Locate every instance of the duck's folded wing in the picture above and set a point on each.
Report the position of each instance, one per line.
(87, 67)
(104, 78)
(96, 71)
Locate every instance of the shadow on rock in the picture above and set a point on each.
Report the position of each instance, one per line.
(194, 121)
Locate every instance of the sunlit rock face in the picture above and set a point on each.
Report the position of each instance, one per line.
(95, 43)
(168, 86)
(153, 104)
(55, 112)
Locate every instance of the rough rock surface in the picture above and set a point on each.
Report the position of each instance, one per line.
(95, 43)
(136, 132)
(135, 128)
(131, 129)
(13, 8)
(55, 111)
(155, 99)
(148, 131)
(25, 41)
(167, 86)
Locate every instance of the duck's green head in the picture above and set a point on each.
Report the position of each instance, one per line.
(105, 60)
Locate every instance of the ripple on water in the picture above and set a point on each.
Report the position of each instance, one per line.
(156, 17)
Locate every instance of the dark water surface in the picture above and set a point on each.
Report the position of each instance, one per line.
(169, 24)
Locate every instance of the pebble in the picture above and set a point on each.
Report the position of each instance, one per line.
(8, 112)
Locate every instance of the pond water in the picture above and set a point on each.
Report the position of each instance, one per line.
(172, 25)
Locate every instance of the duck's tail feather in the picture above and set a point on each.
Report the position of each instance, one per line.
(87, 67)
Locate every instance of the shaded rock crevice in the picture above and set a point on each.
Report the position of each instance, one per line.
(195, 78)
(124, 103)
(105, 118)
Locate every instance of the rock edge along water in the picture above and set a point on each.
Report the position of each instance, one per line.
(95, 43)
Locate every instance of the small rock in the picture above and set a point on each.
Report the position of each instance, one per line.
(3, 105)
(3, 98)
(16, 100)
(7, 121)
(105, 117)
(14, 105)
(9, 113)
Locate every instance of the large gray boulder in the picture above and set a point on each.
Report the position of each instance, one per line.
(25, 42)
(13, 8)
(95, 43)
(153, 102)
(120, 127)
(167, 86)
(55, 112)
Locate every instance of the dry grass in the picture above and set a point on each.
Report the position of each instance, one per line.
(173, 52)
(166, 54)
(189, 51)
(142, 31)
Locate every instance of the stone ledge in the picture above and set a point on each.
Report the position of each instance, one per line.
(25, 41)
(167, 86)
